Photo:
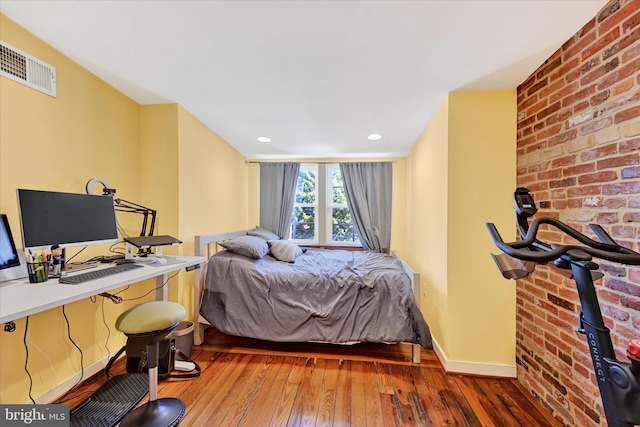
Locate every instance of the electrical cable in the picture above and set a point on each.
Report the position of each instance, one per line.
(79, 349)
(154, 289)
(26, 359)
(104, 320)
(76, 254)
(115, 250)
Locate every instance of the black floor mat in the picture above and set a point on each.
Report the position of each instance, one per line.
(111, 402)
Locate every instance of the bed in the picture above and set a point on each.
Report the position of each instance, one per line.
(330, 296)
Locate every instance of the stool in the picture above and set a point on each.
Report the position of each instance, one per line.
(150, 323)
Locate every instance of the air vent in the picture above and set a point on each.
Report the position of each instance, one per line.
(25, 69)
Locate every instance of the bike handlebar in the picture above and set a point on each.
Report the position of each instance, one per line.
(531, 249)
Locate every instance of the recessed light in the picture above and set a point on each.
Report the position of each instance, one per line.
(264, 139)
(374, 137)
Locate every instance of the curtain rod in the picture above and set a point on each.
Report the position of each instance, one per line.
(318, 162)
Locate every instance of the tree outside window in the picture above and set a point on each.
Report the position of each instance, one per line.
(320, 213)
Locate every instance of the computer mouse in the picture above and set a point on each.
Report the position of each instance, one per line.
(160, 261)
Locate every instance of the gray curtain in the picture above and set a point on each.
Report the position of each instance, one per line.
(277, 191)
(368, 187)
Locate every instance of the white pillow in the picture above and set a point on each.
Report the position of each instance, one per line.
(284, 250)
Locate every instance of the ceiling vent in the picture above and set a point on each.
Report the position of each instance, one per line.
(25, 69)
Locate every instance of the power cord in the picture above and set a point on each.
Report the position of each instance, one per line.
(81, 354)
(104, 321)
(26, 359)
(154, 289)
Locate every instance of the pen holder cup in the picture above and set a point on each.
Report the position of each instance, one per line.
(38, 271)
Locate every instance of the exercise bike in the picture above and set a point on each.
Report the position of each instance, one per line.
(619, 382)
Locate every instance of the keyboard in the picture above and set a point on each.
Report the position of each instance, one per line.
(98, 274)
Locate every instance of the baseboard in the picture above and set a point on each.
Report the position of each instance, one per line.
(59, 390)
(473, 368)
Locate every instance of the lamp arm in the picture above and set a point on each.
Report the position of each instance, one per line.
(127, 206)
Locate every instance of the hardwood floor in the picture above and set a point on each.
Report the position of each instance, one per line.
(253, 383)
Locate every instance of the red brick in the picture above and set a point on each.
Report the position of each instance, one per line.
(591, 178)
(631, 217)
(600, 97)
(615, 203)
(526, 122)
(615, 162)
(631, 187)
(581, 44)
(596, 125)
(548, 67)
(630, 54)
(548, 131)
(579, 169)
(597, 153)
(577, 96)
(632, 22)
(580, 106)
(549, 110)
(537, 107)
(585, 190)
(627, 114)
(567, 182)
(629, 145)
(607, 218)
(620, 74)
(622, 44)
(560, 204)
(563, 137)
(535, 147)
(550, 174)
(564, 161)
(622, 87)
(600, 44)
(574, 204)
(600, 71)
(538, 167)
(538, 85)
(610, 16)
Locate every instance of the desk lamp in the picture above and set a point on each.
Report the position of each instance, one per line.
(127, 206)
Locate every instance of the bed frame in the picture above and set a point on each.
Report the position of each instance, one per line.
(207, 245)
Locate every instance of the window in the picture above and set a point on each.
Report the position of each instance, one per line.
(320, 212)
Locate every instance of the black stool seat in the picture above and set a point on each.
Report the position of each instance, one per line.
(150, 323)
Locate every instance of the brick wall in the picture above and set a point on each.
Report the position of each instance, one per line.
(579, 154)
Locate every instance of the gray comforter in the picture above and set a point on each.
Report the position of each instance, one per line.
(325, 295)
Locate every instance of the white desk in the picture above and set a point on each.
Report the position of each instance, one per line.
(19, 298)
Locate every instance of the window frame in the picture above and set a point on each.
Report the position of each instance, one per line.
(330, 205)
(323, 225)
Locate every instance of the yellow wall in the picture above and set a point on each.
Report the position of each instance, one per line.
(462, 174)
(148, 154)
(213, 190)
(89, 130)
(427, 219)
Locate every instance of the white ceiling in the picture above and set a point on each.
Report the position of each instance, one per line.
(316, 77)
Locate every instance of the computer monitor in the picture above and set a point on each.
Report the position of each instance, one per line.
(12, 265)
(66, 219)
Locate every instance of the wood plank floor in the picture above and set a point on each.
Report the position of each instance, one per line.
(254, 383)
